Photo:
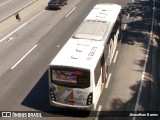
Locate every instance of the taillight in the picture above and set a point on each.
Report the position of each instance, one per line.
(52, 96)
(89, 99)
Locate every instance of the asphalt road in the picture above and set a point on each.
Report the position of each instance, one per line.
(9, 7)
(26, 54)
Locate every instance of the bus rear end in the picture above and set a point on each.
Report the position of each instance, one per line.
(70, 87)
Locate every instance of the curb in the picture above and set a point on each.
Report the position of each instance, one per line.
(22, 14)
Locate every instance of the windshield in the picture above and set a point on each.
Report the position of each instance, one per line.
(55, 1)
(70, 76)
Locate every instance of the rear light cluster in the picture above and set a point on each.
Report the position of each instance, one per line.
(52, 96)
(89, 99)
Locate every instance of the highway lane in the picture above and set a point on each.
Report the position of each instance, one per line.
(9, 7)
(15, 81)
(26, 85)
(29, 34)
(4, 2)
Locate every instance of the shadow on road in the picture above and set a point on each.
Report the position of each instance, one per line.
(139, 31)
(38, 99)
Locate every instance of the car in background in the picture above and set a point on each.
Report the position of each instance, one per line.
(56, 4)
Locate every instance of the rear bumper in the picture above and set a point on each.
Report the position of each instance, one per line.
(88, 107)
(54, 6)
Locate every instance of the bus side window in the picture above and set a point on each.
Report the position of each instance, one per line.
(116, 27)
(97, 72)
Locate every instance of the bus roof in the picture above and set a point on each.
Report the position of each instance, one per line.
(91, 29)
(79, 53)
(98, 22)
(85, 47)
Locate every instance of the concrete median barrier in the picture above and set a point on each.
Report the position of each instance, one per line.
(21, 14)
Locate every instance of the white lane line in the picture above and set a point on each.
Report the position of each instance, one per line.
(5, 3)
(131, 5)
(108, 80)
(12, 32)
(21, 26)
(128, 16)
(145, 64)
(125, 25)
(132, 1)
(70, 12)
(98, 112)
(24, 56)
(120, 41)
(115, 57)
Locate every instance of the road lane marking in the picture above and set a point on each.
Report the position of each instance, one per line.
(115, 57)
(98, 112)
(5, 3)
(125, 26)
(12, 32)
(70, 12)
(120, 41)
(128, 16)
(24, 56)
(145, 64)
(131, 5)
(133, 1)
(21, 26)
(108, 80)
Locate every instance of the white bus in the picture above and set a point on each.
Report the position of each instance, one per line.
(79, 70)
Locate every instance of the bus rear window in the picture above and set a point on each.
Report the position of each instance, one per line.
(70, 75)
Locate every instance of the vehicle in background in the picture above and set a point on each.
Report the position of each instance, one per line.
(79, 71)
(56, 4)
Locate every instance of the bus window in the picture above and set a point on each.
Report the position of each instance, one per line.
(70, 77)
(97, 72)
(117, 26)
